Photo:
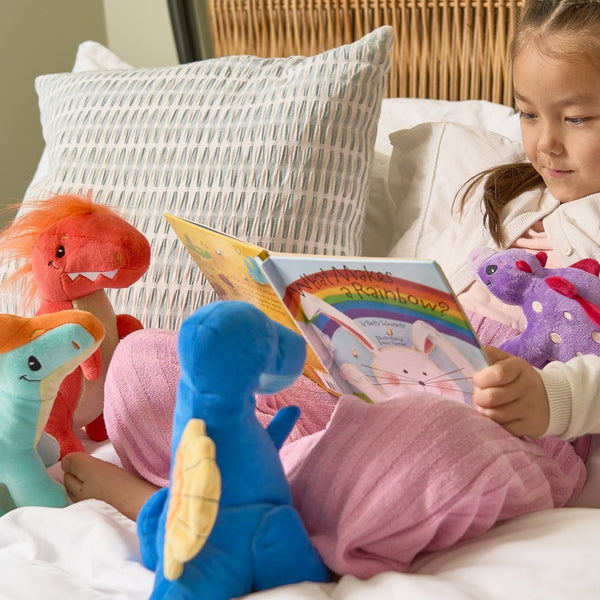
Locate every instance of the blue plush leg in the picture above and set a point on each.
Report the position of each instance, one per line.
(149, 525)
(214, 574)
(283, 552)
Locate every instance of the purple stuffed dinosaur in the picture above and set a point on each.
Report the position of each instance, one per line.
(562, 306)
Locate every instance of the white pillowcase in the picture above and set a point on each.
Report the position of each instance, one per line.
(91, 56)
(404, 113)
(277, 151)
(430, 164)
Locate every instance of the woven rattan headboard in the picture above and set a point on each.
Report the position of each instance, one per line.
(444, 49)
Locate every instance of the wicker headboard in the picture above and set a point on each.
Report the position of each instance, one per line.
(444, 49)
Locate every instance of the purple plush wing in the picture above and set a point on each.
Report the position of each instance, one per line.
(569, 289)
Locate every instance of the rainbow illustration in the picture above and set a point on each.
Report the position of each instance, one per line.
(390, 298)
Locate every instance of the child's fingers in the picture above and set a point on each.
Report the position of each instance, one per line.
(502, 413)
(500, 373)
(495, 354)
(520, 406)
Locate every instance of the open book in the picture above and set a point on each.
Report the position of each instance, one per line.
(374, 326)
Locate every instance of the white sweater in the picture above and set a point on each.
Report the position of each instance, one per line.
(443, 233)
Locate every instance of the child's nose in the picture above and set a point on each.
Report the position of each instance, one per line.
(549, 140)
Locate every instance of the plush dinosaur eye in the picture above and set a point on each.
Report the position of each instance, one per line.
(491, 269)
(60, 252)
(33, 363)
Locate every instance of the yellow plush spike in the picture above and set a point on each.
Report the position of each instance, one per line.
(194, 500)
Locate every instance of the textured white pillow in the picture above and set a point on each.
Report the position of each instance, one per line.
(430, 163)
(91, 56)
(277, 151)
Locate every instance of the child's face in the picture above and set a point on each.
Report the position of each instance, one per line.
(559, 103)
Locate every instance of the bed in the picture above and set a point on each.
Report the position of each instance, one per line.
(430, 106)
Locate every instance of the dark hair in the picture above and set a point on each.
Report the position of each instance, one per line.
(577, 22)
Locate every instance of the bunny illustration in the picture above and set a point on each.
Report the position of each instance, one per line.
(397, 369)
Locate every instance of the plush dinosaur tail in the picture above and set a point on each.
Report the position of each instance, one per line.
(6, 502)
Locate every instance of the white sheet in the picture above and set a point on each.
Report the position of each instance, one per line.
(88, 551)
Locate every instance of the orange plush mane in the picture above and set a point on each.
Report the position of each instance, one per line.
(18, 240)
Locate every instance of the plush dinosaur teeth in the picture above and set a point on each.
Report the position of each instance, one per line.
(93, 275)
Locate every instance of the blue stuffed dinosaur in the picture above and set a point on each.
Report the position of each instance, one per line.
(36, 354)
(226, 526)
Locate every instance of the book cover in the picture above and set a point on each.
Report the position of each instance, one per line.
(233, 268)
(374, 326)
(380, 325)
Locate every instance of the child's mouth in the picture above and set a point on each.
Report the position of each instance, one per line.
(558, 172)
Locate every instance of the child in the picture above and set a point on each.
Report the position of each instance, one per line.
(378, 484)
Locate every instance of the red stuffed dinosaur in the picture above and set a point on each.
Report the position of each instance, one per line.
(74, 249)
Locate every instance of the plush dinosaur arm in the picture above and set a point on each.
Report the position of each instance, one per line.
(127, 324)
(282, 424)
(92, 366)
(48, 449)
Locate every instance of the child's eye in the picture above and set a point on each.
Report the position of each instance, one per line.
(575, 120)
(526, 115)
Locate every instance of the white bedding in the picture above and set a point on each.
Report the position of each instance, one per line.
(89, 551)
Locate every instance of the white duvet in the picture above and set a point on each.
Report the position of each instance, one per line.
(90, 551)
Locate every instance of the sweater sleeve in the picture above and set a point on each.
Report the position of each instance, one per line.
(573, 390)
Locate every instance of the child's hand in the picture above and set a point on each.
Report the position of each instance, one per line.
(511, 392)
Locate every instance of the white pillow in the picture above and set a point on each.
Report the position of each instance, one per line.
(430, 164)
(405, 113)
(91, 56)
(380, 212)
(277, 151)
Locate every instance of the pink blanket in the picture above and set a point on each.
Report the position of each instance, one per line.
(375, 484)
(384, 482)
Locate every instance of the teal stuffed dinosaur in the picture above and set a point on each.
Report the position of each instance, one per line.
(226, 526)
(36, 354)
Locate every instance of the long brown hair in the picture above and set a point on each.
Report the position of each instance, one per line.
(577, 23)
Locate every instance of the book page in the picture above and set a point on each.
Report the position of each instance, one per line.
(381, 326)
